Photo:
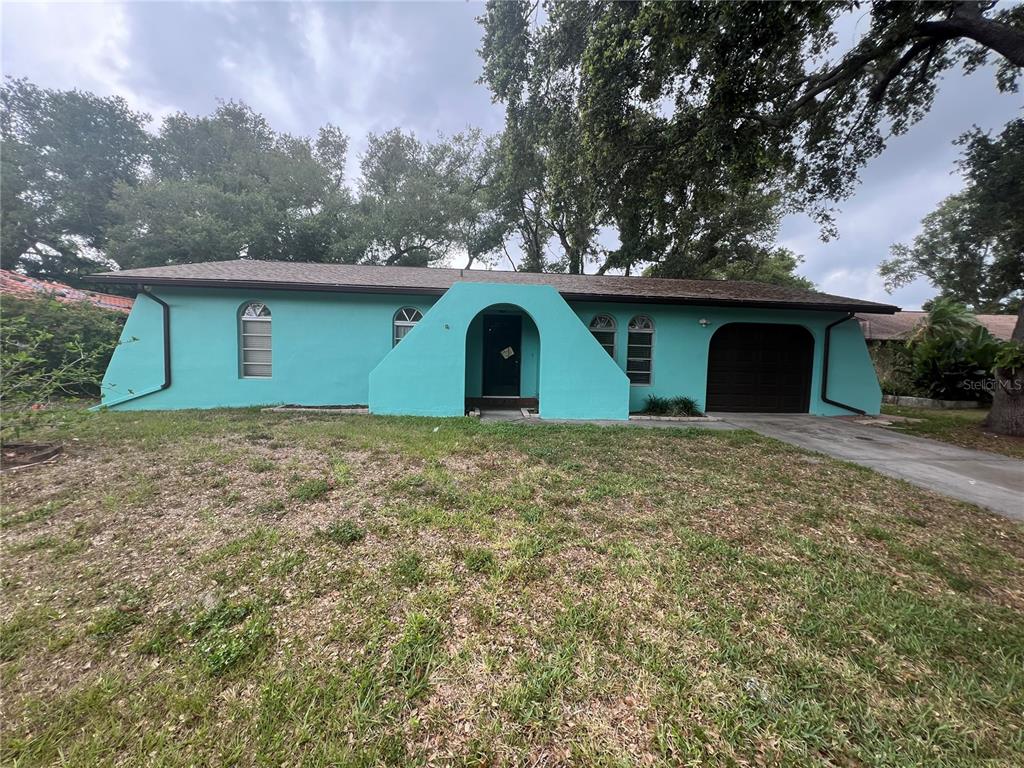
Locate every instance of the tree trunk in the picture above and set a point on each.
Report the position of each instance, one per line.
(1007, 414)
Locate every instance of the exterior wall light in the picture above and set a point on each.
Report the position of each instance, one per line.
(704, 322)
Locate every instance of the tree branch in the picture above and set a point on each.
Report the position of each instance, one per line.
(995, 35)
(879, 88)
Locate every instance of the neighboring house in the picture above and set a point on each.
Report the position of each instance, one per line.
(900, 326)
(16, 284)
(422, 341)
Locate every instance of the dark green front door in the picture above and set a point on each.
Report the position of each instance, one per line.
(503, 346)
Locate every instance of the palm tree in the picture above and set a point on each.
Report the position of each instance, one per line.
(946, 318)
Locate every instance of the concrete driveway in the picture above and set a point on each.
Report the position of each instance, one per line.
(986, 479)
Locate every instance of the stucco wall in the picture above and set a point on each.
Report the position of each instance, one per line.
(326, 344)
(577, 379)
(324, 347)
(681, 351)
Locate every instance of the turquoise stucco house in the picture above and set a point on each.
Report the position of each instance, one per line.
(433, 342)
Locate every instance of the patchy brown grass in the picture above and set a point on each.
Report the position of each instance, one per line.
(963, 428)
(257, 588)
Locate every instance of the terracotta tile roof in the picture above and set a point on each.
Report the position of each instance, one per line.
(284, 275)
(901, 324)
(23, 285)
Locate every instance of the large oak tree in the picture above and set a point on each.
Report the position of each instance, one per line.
(686, 110)
(63, 155)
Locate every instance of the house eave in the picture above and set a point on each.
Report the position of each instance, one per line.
(268, 285)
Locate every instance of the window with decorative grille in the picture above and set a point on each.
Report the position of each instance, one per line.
(254, 323)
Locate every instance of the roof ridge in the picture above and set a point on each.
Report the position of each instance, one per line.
(296, 275)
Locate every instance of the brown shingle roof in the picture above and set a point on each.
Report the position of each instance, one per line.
(286, 275)
(901, 325)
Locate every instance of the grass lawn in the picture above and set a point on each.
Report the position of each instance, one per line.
(961, 428)
(266, 589)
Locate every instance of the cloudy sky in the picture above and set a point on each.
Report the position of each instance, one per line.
(370, 67)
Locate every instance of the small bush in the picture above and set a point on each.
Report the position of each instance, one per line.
(50, 352)
(343, 532)
(951, 355)
(671, 406)
(310, 490)
(894, 367)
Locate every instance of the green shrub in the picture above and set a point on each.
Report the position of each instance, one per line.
(894, 367)
(671, 406)
(67, 330)
(951, 356)
(49, 352)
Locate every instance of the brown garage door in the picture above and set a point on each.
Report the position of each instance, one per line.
(755, 367)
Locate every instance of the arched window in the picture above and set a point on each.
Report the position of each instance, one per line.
(254, 333)
(640, 350)
(603, 328)
(405, 319)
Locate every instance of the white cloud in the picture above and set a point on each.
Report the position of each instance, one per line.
(310, 20)
(73, 46)
(256, 81)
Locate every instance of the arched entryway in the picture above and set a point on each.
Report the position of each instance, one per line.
(760, 368)
(502, 358)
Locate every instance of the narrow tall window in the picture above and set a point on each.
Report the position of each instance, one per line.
(640, 350)
(405, 319)
(255, 337)
(603, 328)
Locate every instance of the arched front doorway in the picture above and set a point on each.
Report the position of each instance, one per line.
(502, 358)
(760, 368)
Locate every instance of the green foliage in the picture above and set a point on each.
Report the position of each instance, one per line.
(1009, 360)
(409, 570)
(894, 366)
(94, 329)
(419, 201)
(946, 318)
(228, 185)
(972, 246)
(343, 532)
(686, 120)
(555, 185)
(310, 490)
(49, 351)
(671, 406)
(64, 153)
(952, 357)
(479, 559)
(229, 635)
